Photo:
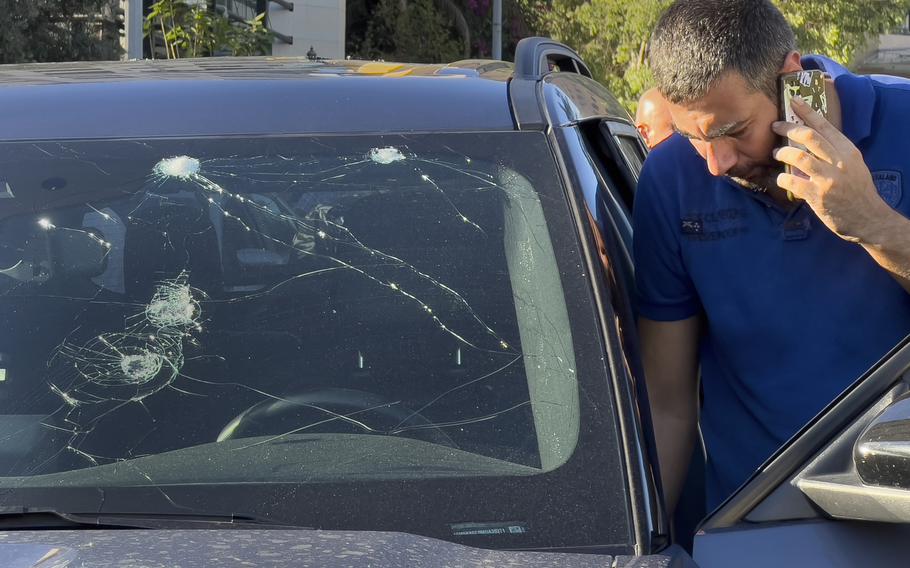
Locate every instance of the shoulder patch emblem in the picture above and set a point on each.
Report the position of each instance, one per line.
(889, 186)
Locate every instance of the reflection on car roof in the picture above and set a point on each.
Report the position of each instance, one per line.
(255, 95)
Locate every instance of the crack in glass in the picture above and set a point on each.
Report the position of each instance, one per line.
(164, 343)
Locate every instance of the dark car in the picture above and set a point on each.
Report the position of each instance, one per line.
(281, 312)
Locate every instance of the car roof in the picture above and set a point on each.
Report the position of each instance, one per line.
(249, 96)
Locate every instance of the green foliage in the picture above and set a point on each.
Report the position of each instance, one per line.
(841, 29)
(612, 35)
(58, 30)
(196, 31)
(478, 16)
(420, 31)
(254, 39)
(396, 35)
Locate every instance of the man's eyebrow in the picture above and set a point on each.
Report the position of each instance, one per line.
(716, 133)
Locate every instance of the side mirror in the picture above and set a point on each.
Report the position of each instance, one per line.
(882, 451)
(863, 473)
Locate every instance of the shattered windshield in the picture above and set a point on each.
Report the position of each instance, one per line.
(159, 295)
(313, 309)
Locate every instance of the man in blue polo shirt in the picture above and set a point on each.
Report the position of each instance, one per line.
(781, 303)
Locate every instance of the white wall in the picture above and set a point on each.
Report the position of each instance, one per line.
(316, 23)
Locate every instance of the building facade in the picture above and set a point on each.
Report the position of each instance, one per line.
(305, 25)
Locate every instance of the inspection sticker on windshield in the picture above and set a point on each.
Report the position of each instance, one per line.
(488, 529)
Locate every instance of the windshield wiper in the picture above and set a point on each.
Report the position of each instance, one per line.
(26, 518)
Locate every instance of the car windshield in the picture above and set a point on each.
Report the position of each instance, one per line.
(367, 320)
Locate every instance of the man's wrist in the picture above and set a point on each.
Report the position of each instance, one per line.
(882, 228)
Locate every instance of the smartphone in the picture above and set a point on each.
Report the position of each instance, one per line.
(810, 86)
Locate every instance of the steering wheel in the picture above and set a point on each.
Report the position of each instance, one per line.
(334, 410)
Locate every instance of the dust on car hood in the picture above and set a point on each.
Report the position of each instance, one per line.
(238, 547)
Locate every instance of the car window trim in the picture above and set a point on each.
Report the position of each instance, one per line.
(649, 524)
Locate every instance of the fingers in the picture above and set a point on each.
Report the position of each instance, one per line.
(810, 138)
(800, 187)
(801, 160)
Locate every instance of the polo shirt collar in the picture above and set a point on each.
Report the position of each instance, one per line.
(856, 93)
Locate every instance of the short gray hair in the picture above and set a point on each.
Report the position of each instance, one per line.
(695, 42)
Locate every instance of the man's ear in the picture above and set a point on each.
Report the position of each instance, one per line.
(792, 63)
(644, 131)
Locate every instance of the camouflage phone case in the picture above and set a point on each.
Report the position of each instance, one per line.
(810, 86)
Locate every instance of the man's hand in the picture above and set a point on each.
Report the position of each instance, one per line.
(839, 188)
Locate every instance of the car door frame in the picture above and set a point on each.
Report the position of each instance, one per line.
(610, 290)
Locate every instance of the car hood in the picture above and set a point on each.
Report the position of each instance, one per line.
(238, 547)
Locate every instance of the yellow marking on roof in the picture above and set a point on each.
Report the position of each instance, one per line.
(378, 68)
(401, 73)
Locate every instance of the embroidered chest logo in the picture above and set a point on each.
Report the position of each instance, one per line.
(889, 186)
(713, 225)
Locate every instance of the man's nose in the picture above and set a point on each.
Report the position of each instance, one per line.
(720, 156)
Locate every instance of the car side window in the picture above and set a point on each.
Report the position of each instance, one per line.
(616, 154)
(620, 148)
(631, 148)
